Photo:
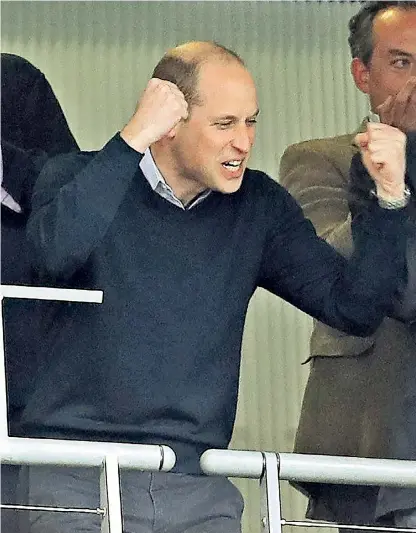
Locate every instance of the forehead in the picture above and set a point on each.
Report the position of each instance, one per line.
(395, 28)
(224, 86)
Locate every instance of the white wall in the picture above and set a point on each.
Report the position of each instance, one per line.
(98, 57)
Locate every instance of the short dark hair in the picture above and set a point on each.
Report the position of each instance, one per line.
(180, 72)
(183, 71)
(361, 27)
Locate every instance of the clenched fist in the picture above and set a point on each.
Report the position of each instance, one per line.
(383, 151)
(161, 106)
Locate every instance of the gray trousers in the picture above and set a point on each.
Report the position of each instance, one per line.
(152, 502)
(349, 504)
(405, 518)
(9, 495)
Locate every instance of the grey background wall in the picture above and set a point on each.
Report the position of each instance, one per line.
(98, 57)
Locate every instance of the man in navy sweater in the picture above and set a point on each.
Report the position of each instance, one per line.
(170, 223)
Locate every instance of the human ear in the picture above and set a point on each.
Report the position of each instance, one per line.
(361, 74)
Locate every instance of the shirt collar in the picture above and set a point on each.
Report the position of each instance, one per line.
(159, 185)
(150, 170)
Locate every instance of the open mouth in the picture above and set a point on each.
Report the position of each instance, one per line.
(233, 164)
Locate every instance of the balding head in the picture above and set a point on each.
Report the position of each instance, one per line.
(181, 65)
(200, 51)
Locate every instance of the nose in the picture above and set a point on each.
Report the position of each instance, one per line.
(243, 139)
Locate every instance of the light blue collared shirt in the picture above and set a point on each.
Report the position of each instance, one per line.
(159, 185)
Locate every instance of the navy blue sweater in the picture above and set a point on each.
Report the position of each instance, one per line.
(158, 361)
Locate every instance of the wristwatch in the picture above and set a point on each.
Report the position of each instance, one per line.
(395, 204)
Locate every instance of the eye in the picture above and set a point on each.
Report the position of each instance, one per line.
(252, 121)
(223, 125)
(401, 62)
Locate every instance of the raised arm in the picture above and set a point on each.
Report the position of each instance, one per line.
(352, 296)
(77, 196)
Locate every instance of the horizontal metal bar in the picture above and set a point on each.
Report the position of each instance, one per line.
(16, 450)
(49, 509)
(313, 468)
(332, 525)
(47, 293)
(233, 463)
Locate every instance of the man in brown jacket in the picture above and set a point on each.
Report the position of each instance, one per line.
(355, 387)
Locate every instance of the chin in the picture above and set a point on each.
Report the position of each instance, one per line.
(231, 186)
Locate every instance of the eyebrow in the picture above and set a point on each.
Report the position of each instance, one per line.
(398, 52)
(233, 117)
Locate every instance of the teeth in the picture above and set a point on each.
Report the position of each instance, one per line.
(234, 164)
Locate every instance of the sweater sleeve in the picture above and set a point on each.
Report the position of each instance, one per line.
(360, 198)
(353, 295)
(74, 203)
(405, 307)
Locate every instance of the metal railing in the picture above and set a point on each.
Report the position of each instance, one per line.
(270, 468)
(108, 456)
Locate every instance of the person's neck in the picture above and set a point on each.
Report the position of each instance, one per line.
(184, 189)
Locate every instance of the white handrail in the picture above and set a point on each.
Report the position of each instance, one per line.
(313, 468)
(48, 293)
(16, 450)
(37, 293)
(109, 456)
